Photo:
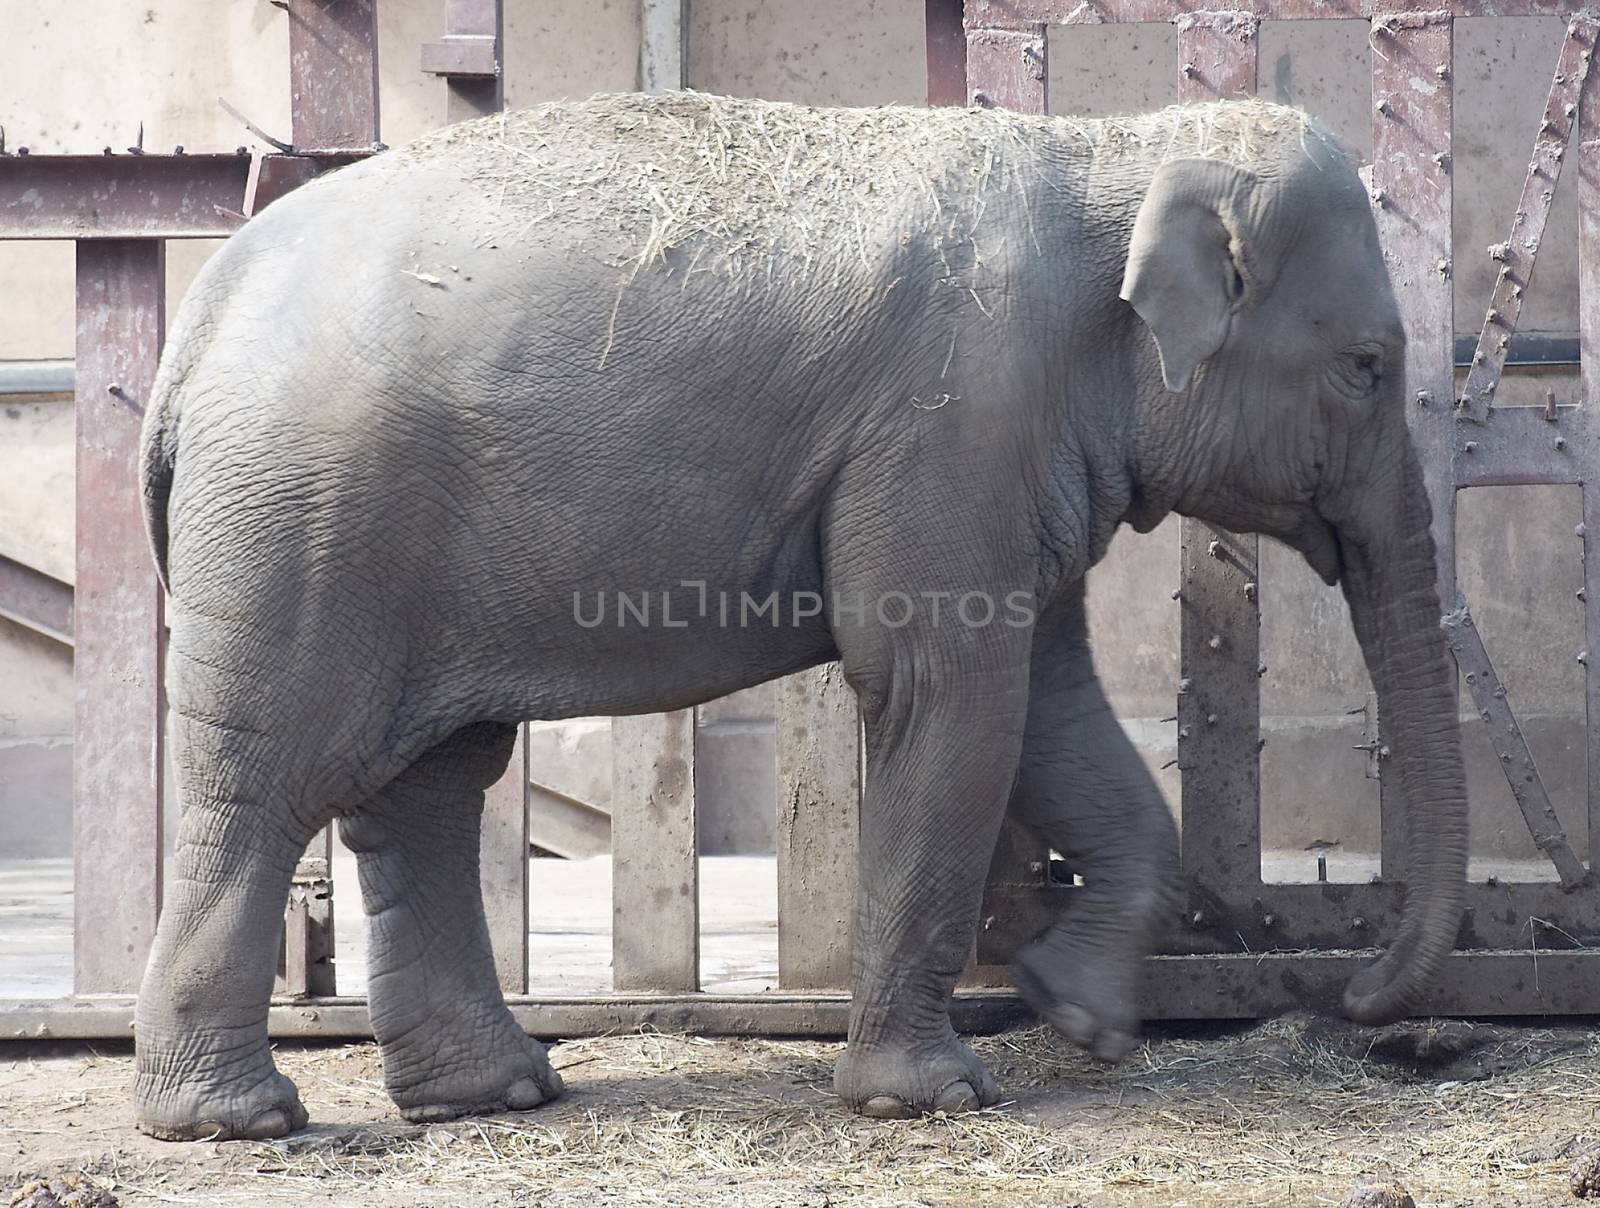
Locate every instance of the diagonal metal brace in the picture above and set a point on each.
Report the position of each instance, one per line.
(1466, 643)
(1517, 254)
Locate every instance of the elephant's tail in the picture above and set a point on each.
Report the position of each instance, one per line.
(158, 456)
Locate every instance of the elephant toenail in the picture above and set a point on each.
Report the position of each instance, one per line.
(269, 1124)
(1112, 1046)
(211, 1130)
(523, 1094)
(957, 1097)
(886, 1107)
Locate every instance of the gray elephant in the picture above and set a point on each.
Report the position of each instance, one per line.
(883, 360)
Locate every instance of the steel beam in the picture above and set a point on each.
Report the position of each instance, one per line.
(120, 710)
(469, 58)
(36, 600)
(946, 53)
(1020, 13)
(663, 45)
(333, 74)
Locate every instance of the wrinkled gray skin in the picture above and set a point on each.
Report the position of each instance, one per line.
(374, 495)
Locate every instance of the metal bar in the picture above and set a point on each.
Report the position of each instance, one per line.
(1219, 701)
(819, 795)
(1528, 348)
(946, 52)
(333, 74)
(36, 378)
(1243, 986)
(1520, 446)
(655, 890)
(305, 965)
(1412, 192)
(1504, 916)
(121, 196)
(1019, 13)
(663, 39)
(1006, 68)
(116, 760)
(503, 868)
(567, 826)
(1520, 250)
(36, 600)
(1515, 760)
(1588, 151)
(470, 58)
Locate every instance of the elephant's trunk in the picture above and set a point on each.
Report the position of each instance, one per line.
(1390, 583)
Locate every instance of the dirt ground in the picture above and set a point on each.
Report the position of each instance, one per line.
(1286, 1112)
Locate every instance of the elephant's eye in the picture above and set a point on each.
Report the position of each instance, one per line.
(1359, 373)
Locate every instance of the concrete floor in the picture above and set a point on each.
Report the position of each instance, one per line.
(570, 917)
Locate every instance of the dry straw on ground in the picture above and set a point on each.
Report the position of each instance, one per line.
(1288, 1112)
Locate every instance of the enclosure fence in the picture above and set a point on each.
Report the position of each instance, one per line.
(1243, 947)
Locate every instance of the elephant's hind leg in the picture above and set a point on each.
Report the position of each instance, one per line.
(450, 1046)
(204, 1068)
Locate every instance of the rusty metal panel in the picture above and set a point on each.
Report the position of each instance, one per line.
(1219, 698)
(469, 57)
(1019, 13)
(1006, 68)
(116, 760)
(819, 794)
(1588, 173)
(36, 600)
(655, 874)
(1412, 93)
(503, 868)
(1521, 446)
(333, 74)
(1518, 253)
(121, 196)
(1495, 710)
(947, 53)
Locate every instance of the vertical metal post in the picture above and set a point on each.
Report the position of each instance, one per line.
(1219, 701)
(655, 871)
(1010, 63)
(819, 810)
(1588, 151)
(120, 709)
(503, 868)
(469, 58)
(663, 45)
(1412, 202)
(947, 53)
(333, 74)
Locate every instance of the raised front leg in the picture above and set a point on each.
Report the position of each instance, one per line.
(1085, 790)
(450, 1046)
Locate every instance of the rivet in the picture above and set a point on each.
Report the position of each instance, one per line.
(1383, 752)
(1269, 920)
(1442, 71)
(1500, 251)
(1470, 447)
(1472, 677)
(1583, 657)
(1211, 719)
(1504, 758)
(1423, 398)
(1261, 669)
(1190, 71)
(1442, 268)
(1250, 591)
(1380, 198)
(1358, 923)
(1581, 529)
(1493, 316)
(1197, 918)
(1261, 745)
(1214, 642)
(1581, 594)
(1384, 107)
(1561, 442)
(1177, 594)
(1569, 109)
(1477, 358)
(980, 97)
(1214, 548)
(1183, 732)
(1184, 685)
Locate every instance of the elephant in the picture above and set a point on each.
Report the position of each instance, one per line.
(895, 377)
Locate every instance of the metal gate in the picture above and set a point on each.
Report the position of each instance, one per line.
(1245, 947)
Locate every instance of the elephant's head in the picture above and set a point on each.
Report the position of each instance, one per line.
(1282, 358)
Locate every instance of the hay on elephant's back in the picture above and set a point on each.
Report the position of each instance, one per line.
(744, 179)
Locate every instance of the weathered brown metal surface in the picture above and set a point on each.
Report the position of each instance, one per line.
(305, 966)
(121, 196)
(1021, 13)
(116, 760)
(1412, 92)
(1521, 446)
(1219, 698)
(1006, 69)
(1495, 710)
(1588, 184)
(503, 869)
(469, 58)
(333, 74)
(655, 874)
(36, 600)
(819, 794)
(1518, 253)
(947, 53)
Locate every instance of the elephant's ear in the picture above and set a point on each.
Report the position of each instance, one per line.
(1186, 263)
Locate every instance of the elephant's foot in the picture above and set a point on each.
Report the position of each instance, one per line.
(896, 1080)
(1087, 992)
(451, 1080)
(242, 1110)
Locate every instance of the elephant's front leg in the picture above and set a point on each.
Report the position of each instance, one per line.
(450, 1045)
(1085, 790)
(943, 729)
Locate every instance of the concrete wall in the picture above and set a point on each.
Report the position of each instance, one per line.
(85, 79)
